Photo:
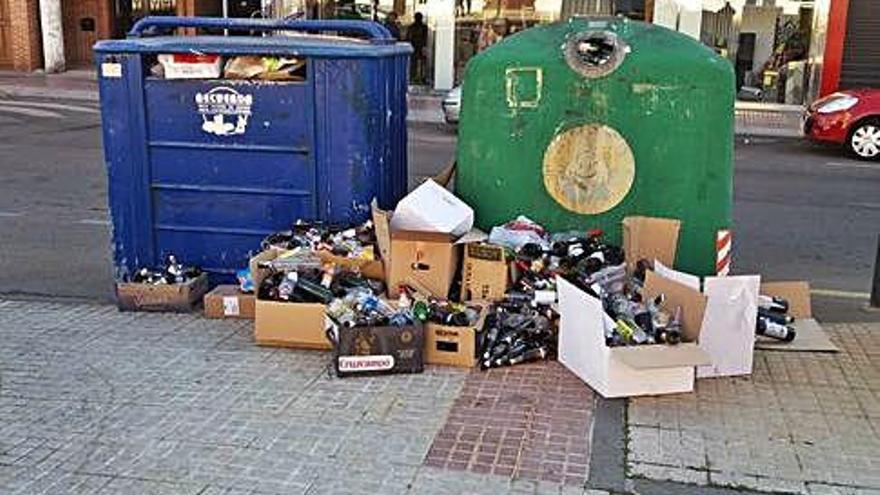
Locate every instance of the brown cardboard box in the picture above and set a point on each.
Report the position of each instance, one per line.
(374, 269)
(227, 301)
(300, 325)
(178, 298)
(691, 301)
(485, 273)
(650, 238)
(453, 346)
(424, 260)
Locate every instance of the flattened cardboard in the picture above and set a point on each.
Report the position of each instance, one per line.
(382, 224)
(797, 294)
(728, 331)
(176, 298)
(217, 303)
(284, 324)
(692, 302)
(453, 346)
(810, 338)
(650, 238)
(647, 357)
(485, 273)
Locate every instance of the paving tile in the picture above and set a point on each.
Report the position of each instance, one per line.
(803, 422)
(97, 401)
(532, 421)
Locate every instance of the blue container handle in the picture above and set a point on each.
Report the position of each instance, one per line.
(376, 32)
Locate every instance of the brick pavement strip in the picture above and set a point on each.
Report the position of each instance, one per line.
(531, 421)
(94, 401)
(803, 423)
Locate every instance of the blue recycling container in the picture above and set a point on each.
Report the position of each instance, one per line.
(205, 168)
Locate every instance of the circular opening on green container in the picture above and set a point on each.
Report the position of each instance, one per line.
(595, 53)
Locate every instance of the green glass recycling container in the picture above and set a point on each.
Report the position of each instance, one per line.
(579, 124)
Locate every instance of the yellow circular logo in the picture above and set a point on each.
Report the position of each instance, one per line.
(588, 169)
(406, 336)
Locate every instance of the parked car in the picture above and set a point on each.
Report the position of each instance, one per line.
(850, 118)
(452, 105)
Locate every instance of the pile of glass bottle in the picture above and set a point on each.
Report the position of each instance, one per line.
(350, 242)
(173, 272)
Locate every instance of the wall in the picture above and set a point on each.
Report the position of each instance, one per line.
(762, 22)
(26, 54)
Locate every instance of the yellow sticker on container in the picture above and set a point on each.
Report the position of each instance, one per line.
(588, 169)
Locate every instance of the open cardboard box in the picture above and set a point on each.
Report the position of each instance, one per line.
(285, 324)
(374, 269)
(632, 370)
(424, 260)
(454, 346)
(179, 298)
(719, 322)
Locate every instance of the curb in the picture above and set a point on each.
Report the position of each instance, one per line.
(422, 109)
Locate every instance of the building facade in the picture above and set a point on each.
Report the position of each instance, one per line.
(83, 22)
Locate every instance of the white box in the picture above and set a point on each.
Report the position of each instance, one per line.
(191, 66)
(432, 208)
(620, 371)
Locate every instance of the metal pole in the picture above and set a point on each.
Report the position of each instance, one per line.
(225, 15)
(875, 286)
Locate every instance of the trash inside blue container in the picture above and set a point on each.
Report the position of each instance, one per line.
(205, 168)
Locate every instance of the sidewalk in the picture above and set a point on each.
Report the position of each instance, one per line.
(97, 401)
(752, 119)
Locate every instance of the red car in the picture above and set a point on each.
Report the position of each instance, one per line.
(851, 118)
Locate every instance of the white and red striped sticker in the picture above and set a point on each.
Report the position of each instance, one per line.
(722, 252)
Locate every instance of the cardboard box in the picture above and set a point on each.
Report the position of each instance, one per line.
(177, 298)
(424, 260)
(377, 350)
(626, 371)
(453, 346)
(432, 208)
(374, 269)
(191, 65)
(485, 273)
(227, 301)
(300, 325)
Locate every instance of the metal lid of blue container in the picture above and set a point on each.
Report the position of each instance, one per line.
(378, 41)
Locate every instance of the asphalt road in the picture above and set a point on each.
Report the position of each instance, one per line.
(801, 211)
